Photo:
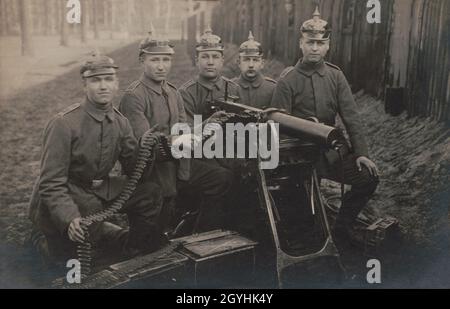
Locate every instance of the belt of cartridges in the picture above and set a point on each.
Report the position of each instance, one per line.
(145, 157)
(151, 143)
(164, 152)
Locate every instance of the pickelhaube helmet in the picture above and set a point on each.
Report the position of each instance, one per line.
(316, 28)
(250, 47)
(98, 64)
(154, 45)
(209, 42)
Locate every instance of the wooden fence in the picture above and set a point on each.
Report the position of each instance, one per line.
(404, 59)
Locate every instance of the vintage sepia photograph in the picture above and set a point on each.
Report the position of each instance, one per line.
(224, 144)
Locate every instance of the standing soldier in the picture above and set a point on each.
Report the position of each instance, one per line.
(315, 88)
(254, 88)
(81, 146)
(199, 94)
(151, 101)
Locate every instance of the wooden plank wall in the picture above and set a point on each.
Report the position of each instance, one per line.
(409, 49)
(428, 70)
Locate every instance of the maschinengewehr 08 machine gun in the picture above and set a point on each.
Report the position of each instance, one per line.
(308, 130)
(302, 144)
(311, 138)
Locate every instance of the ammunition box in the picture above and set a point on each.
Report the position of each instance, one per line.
(219, 258)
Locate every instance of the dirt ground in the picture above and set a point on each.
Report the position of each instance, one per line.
(412, 154)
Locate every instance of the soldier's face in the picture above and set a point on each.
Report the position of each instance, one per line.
(314, 51)
(210, 63)
(156, 67)
(250, 66)
(101, 89)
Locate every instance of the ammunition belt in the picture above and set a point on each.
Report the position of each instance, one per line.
(164, 152)
(145, 157)
(121, 273)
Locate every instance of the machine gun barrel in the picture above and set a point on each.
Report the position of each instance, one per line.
(318, 133)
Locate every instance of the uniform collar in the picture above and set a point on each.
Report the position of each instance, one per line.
(218, 84)
(309, 69)
(152, 85)
(99, 112)
(244, 83)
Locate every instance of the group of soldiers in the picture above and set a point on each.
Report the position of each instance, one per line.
(83, 143)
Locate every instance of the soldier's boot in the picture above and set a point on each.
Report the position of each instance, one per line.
(354, 201)
(38, 243)
(115, 239)
(143, 210)
(341, 236)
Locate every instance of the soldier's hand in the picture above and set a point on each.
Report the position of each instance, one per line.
(188, 141)
(149, 131)
(75, 232)
(364, 161)
(217, 116)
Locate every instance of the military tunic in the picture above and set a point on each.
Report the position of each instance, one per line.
(257, 93)
(146, 105)
(81, 146)
(198, 95)
(321, 91)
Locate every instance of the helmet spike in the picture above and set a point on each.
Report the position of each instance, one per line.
(152, 29)
(208, 29)
(250, 36)
(316, 12)
(316, 28)
(95, 52)
(250, 47)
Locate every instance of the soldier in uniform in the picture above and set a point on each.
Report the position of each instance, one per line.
(255, 89)
(81, 146)
(316, 88)
(152, 100)
(199, 94)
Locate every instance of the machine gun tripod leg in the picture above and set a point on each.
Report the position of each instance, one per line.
(286, 260)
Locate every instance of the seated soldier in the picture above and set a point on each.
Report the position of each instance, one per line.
(199, 94)
(81, 146)
(152, 100)
(255, 89)
(316, 88)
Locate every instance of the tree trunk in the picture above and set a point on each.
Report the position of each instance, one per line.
(108, 16)
(13, 17)
(84, 21)
(25, 29)
(47, 19)
(182, 29)
(142, 14)
(3, 22)
(58, 14)
(168, 17)
(64, 41)
(95, 18)
(105, 11)
(130, 10)
(113, 18)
